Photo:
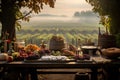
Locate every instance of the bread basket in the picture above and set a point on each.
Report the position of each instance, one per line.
(111, 52)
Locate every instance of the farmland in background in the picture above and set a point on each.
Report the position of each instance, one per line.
(71, 34)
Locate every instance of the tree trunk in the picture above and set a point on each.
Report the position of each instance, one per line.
(115, 23)
(8, 20)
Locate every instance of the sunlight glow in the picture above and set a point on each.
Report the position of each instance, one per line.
(67, 7)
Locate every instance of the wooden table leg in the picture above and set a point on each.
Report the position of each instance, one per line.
(111, 73)
(29, 71)
(24, 74)
(94, 74)
(33, 74)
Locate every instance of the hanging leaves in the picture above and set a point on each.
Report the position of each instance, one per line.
(17, 25)
(34, 5)
(37, 5)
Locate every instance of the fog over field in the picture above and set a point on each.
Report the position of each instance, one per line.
(90, 19)
(64, 15)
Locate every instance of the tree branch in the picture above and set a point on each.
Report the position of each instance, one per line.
(25, 15)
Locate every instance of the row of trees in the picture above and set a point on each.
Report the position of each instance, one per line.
(85, 14)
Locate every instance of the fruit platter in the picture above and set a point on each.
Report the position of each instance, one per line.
(34, 53)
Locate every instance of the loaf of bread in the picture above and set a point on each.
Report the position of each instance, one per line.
(3, 57)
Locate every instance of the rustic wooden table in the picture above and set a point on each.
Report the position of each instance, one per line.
(22, 66)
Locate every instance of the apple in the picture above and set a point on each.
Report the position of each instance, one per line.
(15, 54)
(10, 58)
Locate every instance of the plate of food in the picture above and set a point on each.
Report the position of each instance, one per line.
(51, 58)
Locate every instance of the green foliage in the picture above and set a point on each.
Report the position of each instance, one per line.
(109, 12)
(18, 25)
(105, 7)
(106, 21)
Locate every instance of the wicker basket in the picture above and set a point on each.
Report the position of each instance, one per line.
(106, 41)
(56, 43)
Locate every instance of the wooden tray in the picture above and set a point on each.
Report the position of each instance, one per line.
(57, 61)
(84, 61)
(3, 62)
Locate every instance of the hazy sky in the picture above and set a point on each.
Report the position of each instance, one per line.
(67, 7)
(63, 7)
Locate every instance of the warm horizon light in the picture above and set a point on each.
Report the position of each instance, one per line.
(67, 7)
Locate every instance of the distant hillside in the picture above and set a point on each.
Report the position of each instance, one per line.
(85, 14)
(51, 15)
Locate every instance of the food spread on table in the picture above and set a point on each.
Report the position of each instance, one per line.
(71, 52)
(34, 52)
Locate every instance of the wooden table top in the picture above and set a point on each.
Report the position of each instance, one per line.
(96, 62)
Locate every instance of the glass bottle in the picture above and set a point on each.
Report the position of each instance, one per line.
(10, 51)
